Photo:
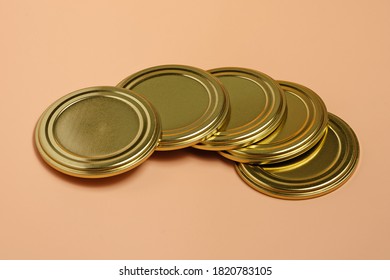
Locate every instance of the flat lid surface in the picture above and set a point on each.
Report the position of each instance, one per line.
(303, 127)
(257, 108)
(97, 132)
(321, 170)
(192, 104)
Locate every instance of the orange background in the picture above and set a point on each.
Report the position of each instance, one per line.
(190, 204)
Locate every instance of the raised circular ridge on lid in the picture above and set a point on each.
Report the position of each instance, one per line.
(192, 104)
(257, 108)
(97, 132)
(319, 171)
(303, 127)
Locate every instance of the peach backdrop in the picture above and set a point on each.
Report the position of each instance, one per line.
(190, 204)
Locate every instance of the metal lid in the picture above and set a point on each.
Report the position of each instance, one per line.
(304, 126)
(192, 104)
(257, 108)
(319, 171)
(97, 132)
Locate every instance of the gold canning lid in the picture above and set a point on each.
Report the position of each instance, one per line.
(97, 132)
(319, 171)
(192, 104)
(304, 126)
(257, 108)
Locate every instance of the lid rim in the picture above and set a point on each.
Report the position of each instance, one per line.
(271, 185)
(275, 152)
(210, 121)
(256, 129)
(119, 161)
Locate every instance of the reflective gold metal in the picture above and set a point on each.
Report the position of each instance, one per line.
(257, 108)
(97, 132)
(192, 104)
(319, 171)
(304, 126)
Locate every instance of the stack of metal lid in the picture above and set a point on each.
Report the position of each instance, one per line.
(283, 140)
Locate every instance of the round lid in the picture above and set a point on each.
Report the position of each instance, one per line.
(192, 104)
(319, 171)
(304, 126)
(257, 108)
(97, 132)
